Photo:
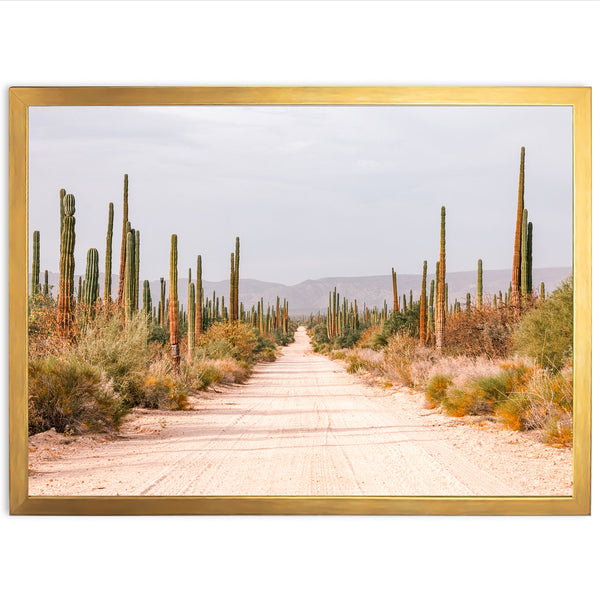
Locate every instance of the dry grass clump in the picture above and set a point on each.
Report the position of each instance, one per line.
(71, 396)
(164, 392)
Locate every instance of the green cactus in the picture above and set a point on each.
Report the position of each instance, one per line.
(542, 291)
(79, 292)
(199, 299)
(468, 302)
(479, 284)
(529, 278)
(523, 283)
(395, 290)
(46, 286)
(237, 279)
(191, 317)
(35, 265)
(517, 259)
(440, 325)
(129, 287)
(124, 239)
(163, 310)
(410, 300)
(137, 270)
(67, 267)
(174, 306)
(61, 197)
(90, 288)
(108, 258)
(232, 289)
(146, 299)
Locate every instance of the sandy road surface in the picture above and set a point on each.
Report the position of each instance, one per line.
(300, 426)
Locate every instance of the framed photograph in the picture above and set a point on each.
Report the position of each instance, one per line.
(300, 300)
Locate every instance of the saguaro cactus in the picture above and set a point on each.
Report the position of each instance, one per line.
(542, 291)
(516, 272)
(136, 299)
(173, 306)
(440, 325)
(46, 286)
(529, 278)
(108, 258)
(395, 289)
(423, 306)
(479, 284)
(191, 317)
(237, 279)
(79, 291)
(198, 325)
(146, 299)
(90, 289)
(67, 266)
(129, 286)
(61, 197)
(124, 238)
(524, 254)
(162, 301)
(35, 265)
(232, 290)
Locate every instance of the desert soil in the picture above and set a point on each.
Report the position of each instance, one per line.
(300, 426)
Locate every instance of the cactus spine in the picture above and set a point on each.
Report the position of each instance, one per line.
(479, 284)
(129, 284)
(174, 306)
(108, 258)
(35, 265)
(516, 272)
(124, 239)
(67, 266)
(440, 325)
(423, 306)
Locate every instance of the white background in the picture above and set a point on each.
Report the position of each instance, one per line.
(305, 43)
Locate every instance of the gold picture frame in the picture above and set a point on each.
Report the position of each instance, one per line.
(21, 98)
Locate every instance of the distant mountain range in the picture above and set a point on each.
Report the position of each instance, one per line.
(312, 295)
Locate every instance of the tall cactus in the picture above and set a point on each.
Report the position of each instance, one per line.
(124, 239)
(174, 306)
(79, 292)
(35, 265)
(46, 286)
(162, 301)
(542, 291)
(129, 284)
(191, 317)
(61, 197)
(423, 306)
(524, 255)
(529, 278)
(108, 258)
(199, 299)
(232, 290)
(440, 326)
(479, 284)
(395, 290)
(468, 302)
(90, 289)
(67, 267)
(146, 299)
(237, 279)
(137, 270)
(516, 272)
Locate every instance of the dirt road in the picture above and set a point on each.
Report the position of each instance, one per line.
(301, 426)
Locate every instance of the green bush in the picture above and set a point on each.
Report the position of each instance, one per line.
(436, 391)
(70, 396)
(546, 332)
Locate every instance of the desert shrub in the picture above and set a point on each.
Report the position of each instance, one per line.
(347, 339)
(121, 355)
(470, 400)
(71, 396)
(398, 356)
(164, 393)
(436, 391)
(479, 332)
(358, 364)
(320, 335)
(398, 322)
(157, 333)
(281, 338)
(234, 340)
(543, 400)
(366, 336)
(546, 332)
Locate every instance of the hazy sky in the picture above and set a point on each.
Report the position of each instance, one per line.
(311, 191)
